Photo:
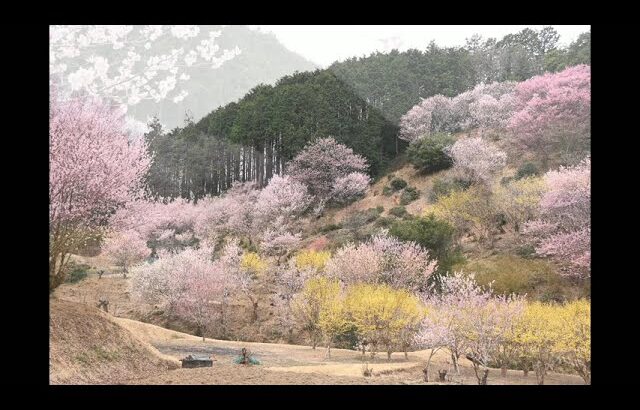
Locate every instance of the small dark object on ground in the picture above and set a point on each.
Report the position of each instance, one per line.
(193, 361)
(103, 304)
(246, 358)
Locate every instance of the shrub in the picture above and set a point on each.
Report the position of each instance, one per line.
(429, 154)
(435, 235)
(361, 218)
(253, 263)
(469, 211)
(76, 272)
(380, 209)
(514, 274)
(526, 170)
(398, 184)
(398, 211)
(310, 305)
(312, 259)
(445, 186)
(330, 227)
(340, 238)
(518, 200)
(409, 195)
(387, 191)
(384, 222)
(382, 314)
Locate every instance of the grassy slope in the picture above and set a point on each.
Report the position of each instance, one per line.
(88, 347)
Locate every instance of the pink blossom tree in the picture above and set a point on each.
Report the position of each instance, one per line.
(433, 114)
(282, 197)
(350, 187)
(203, 290)
(95, 166)
(321, 162)
(289, 281)
(489, 321)
(434, 334)
(564, 228)
(188, 284)
(477, 160)
(383, 259)
(469, 320)
(125, 249)
(553, 113)
(279, 243)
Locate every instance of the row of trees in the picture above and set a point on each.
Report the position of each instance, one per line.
(548, 115)
(505, 331)
(395, 81)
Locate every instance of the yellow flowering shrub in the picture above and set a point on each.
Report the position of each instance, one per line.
(518, 200)
(381, 314)
(318, 300)
(575, 339)
(537, 334)
(467, 210)
(252, 262)
(311, 259)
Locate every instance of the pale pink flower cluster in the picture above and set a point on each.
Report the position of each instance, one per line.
(350, 187)
(564, 228)
(477, 160)
(323, 161)
(383, 259)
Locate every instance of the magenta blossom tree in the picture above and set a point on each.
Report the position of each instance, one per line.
(323, 161)
(564, 228)
(553, 113)
(95, 167)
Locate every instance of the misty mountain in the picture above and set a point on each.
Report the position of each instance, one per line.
(263, 59)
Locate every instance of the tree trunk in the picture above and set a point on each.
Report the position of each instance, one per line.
(328, 352)
(389, 355)
(254, 313)
(540, 373)
(454, 358)
(442, 375)
(426, 369)
(406, 355)
(503, 371)
(484, 377)
(526, 372)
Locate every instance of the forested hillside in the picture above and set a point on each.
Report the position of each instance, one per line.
(359, 102)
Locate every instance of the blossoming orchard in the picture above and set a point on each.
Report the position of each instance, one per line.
(447, 243)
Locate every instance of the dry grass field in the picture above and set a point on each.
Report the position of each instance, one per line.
(88, 346)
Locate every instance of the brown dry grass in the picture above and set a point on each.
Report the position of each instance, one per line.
(91, 347)
(88, 347)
